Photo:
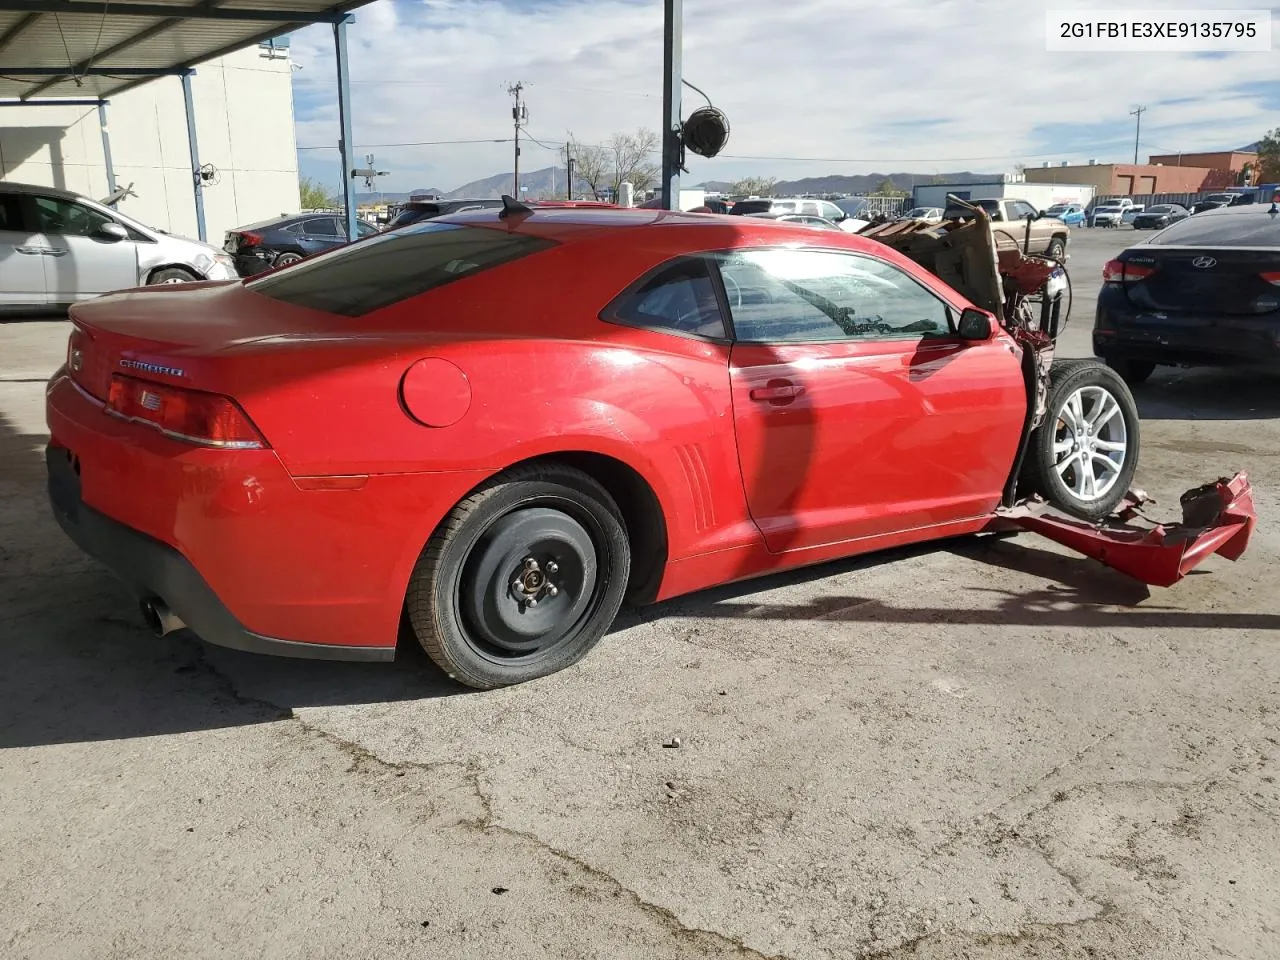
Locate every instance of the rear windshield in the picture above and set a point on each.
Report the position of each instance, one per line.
(390, 267)
(1244, 229)
(961, 213)
(752, 206)
(419, 211)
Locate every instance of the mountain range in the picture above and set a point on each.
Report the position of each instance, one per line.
(550, 181)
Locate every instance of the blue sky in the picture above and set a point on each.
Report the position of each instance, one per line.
(811, 86)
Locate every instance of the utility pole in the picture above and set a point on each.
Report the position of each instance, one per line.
(571, 163)
(1137, 133)
(519, 114)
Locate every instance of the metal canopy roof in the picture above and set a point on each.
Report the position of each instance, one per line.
(59, 49)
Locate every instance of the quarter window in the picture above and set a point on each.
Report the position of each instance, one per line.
(780, 296)
(680, 298)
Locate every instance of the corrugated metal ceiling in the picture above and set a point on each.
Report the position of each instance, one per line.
(56, 49)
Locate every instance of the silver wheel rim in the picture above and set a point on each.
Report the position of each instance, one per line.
(173, 280)
(1090, 443)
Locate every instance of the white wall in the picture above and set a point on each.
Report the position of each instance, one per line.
(244, 124)
(1039, 195)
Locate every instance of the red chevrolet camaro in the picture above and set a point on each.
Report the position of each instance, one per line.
(506, 423)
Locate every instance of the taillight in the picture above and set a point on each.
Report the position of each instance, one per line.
(248, 239)
(1118, 271)
(194, 416)
(76, 343)
(1272, 278)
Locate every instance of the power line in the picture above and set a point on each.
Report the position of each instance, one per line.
(416, 143)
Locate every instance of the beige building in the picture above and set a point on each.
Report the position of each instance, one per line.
(243, 106)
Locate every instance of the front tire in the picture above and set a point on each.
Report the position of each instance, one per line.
(522, 578)
(1057, 247)
(171, 275)
(1084, 455)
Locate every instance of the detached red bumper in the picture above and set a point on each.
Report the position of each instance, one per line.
(1216, 518)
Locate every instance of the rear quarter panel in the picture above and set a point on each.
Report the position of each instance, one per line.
(659, 403)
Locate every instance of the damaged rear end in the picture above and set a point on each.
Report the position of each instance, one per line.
(1030, 296)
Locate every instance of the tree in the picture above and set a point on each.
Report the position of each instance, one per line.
(591, 164)
(633, 159)
(313, 196)
(753, 187)
(623, 158)
(888, 188)
(1269, 157)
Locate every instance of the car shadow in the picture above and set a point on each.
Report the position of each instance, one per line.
(1209, 393)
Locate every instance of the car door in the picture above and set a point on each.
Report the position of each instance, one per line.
(858, 410)
(321, 233)
(22, 254)
(81, 262)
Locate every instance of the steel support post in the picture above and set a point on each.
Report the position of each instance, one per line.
(106, 147)
(346, 148)
(197, 184)
(672, 48)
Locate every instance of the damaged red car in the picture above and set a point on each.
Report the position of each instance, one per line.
(501, 425)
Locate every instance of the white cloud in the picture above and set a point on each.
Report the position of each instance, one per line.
(853, 84)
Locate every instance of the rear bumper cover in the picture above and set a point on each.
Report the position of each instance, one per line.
(1217, 518)
(1119, 331)
(155, 571)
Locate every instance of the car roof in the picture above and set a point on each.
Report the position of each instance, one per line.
(570, 224)
(1262, 209)
(37, 188)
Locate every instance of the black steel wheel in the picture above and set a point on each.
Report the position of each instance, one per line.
(522, 579)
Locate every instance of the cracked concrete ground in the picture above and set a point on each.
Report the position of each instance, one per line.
(981, 749)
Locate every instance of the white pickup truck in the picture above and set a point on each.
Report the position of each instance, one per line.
(1113, 212)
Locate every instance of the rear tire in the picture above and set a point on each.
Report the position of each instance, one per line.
(522, 578)
(1133, 372)
(286, 258)
(1083, 456)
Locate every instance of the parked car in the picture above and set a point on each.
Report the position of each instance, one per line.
(284, 240)
(57, 248)
(1204, 291)
(1215, 201)
(1009, 218)
(924, 214)
(1114, 212)
(1072, 214)
(1160, 215)
(805, 219)
(803, 206)
(417, 210)
(602, 405)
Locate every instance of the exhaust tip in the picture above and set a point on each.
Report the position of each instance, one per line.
(160, 619)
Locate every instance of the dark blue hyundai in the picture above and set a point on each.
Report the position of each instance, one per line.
(1204, 291)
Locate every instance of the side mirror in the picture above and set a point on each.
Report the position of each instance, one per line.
(111, 232)
(975, 325)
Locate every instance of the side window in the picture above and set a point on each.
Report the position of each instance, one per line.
(321, 227)
(779, 296)
(67, 218)
(364, 229)
(810, 208)
(679, 297)
(295, 229)
(830, 211)
(11, 213)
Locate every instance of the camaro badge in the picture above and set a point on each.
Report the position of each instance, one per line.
(152, 368)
